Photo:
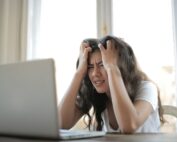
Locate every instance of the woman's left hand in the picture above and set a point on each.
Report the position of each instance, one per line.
(109, 54)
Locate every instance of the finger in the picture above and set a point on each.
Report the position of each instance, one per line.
(84, 45)
(109, 44)
(87, 50)
(113, 44)
(101, 47)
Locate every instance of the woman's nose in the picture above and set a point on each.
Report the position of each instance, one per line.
(96, 71)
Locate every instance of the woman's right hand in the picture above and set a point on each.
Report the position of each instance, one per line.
(83, 57)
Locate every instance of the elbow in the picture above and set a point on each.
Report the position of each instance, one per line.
(129, 128)
(64, 125)
(63, 122)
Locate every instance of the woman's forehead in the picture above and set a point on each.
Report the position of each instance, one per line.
(95, 57)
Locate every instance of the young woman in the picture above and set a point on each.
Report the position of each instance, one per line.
(109, 80)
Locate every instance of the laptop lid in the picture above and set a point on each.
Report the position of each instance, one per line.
(28, 103)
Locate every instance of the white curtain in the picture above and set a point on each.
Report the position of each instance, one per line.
(13, 30)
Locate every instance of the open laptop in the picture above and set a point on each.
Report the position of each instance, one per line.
(28, 102)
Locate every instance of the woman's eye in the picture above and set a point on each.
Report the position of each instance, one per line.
(101, 65)
(90, 67)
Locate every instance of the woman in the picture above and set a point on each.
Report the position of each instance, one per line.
(109, 80)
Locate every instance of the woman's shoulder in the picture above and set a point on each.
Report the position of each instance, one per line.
(148, 91)
(147, 82)
(147, 85)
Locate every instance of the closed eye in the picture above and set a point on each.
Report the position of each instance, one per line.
(100, 64)
(90, 67)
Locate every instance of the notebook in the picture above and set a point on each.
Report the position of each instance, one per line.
(28, 102)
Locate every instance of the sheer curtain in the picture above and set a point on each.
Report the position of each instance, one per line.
(13, 30)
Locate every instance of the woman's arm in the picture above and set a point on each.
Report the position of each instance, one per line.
(130, 116)
(68, 112)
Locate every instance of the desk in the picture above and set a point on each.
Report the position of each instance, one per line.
(163, 137)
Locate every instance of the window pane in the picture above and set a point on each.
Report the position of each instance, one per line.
(63, 25)
(147, 26)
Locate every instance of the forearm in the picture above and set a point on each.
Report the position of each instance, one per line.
(69, 113)
(123, 108)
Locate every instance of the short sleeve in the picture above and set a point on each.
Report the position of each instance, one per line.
(148, 92)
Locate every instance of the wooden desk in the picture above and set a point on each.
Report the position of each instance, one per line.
(168, 137)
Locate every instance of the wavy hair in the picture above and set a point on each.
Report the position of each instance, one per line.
(131, 73)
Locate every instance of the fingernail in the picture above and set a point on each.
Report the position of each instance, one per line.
(99, 45)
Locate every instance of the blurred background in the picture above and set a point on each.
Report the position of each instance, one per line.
(36, 29)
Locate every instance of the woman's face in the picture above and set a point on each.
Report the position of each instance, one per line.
(97, 73)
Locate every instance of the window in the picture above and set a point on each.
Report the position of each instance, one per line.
(63, 25)
(147, 27)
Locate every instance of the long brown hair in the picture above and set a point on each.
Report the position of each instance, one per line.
(131, 73)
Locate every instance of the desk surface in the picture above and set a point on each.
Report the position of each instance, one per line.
(165, 137)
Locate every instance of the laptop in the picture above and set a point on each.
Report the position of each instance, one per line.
(28, 102)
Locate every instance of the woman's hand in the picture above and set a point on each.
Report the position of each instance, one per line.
(83, 56)
(109, 55)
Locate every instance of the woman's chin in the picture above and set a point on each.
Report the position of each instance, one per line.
(100, 91)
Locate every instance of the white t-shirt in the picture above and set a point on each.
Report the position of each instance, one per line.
(147, 92)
